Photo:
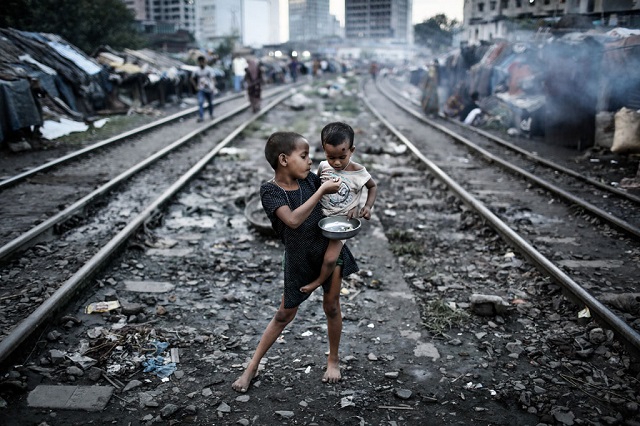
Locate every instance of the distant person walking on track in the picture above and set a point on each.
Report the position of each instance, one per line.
(316, 68)
(293, 69)
(373, 70)
(337, 143)
(239, 65)
(291, 201)
(203, 80)
(253, 80)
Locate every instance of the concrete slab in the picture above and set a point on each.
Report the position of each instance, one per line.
(567, 240)
(591, 263)
(87, 398)
(148, 286)
(178, 252)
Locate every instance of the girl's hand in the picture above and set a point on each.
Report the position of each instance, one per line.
(365, 212)
(331, 186)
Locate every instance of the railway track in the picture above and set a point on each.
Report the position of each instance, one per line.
(34, 290)
(530, 218)
(61, 189)
(533, 363)
(74, 155)
(610, 204)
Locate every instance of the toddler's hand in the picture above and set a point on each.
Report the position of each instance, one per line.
(365, 212)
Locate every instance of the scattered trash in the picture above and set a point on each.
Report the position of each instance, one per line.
(158, 364)
(585, 313)
(83, 361)
(347, 401)
(471, 385)
(102, 306)
(55, 129)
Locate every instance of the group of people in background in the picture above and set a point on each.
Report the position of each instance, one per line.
(435, 99)
(246, 72)
(250, 74)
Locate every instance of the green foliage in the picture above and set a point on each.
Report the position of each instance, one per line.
(438, 317)
(400, 235)
(410, 249)
(87, 24)
(226, 46)
(436, 32)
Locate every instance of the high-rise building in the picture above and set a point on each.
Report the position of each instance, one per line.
(309, 20)
(262, 22)
(205, 30)
(381, 20)
(180, 13)
(254, 22)
(490, 19)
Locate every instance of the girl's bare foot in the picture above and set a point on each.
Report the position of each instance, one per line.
(243, 382)
(332, 375)
(310, 287)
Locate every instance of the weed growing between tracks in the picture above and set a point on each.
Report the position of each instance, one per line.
(439, 317)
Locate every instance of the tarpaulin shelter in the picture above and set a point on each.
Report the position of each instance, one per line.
(621, 79)
(144, 76)
(480, 74)
(37, 69)
(571, 83)
(82, 82)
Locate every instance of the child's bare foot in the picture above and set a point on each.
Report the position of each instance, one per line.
(243, 382)
(332, 375)
(310, 287)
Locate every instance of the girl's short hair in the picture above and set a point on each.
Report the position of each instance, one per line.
(336, 133)
(280, 143)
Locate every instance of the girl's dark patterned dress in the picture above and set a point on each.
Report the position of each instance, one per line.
(304, 246)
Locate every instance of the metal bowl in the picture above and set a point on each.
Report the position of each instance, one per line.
(339, 227)
(256, 216)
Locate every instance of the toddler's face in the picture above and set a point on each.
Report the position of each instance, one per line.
(338, 156)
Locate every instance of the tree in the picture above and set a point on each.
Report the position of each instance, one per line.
(226, 46)
(87, 24)
(436, 32)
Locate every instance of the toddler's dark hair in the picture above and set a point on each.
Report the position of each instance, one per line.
(280, 143)
(336, 133)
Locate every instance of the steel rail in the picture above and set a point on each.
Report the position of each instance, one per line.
(33, 235)
(61, 296)
(133, 132)
(625, 332)
(530, 155)
(620, 224)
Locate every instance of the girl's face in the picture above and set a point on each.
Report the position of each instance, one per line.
(338, 156)
(299, 162)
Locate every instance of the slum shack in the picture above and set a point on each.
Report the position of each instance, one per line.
(45, 80)
(42, 74)
(571, 82)
(618, 120)
(143, 77)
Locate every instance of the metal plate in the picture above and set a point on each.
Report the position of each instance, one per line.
(339, 227)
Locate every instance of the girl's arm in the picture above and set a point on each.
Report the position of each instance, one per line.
(295, 218)
(372, 190)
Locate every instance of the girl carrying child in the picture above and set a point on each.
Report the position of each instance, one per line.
(291, 201)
